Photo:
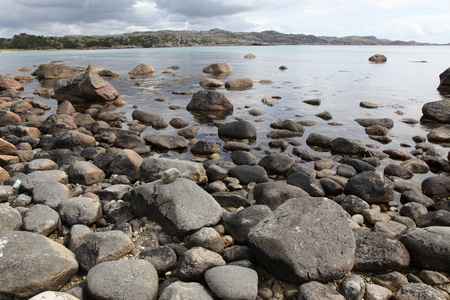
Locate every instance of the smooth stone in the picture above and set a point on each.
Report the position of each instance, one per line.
(80, 210)
(232, 282)
(418, 291)
(186, 290)
(152, 168)
(196, 261)
(170, 175)
(41, 219)
(163, 258)
(10, 219)
(316, 290)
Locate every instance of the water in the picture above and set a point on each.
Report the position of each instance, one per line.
(341, 76)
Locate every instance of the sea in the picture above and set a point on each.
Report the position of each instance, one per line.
(340, 76)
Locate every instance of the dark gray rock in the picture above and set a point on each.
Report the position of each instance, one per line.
(278, 164)
(418, 291)
(237, 253)
(180, 206)
(78, 234)
(352, 288)
(208, 100)
(186, 290)
(316, 290)
(80, 210)
(352, 204)
(247, 174)
(444, 204)
(304, 154)
(307, 183)
(319, 140)
(163, 258)
(434, 218)
(378, 58)
(238, 130)
(372, 187)
(41, 219)
(239, 224)
(377, 252)
(318, 227)
(231, 199)
(347, 146)
(331, 187)
(66, 157)
(152, 168)
(436, 186)
(126, 141)
(214, 173)
(50, 193)
(243, 158)
(283, 134)
(148, 118)
(398, 171)
(32, 263)
(103, 246)
(386, 122)
(178, 123)
(273, 194)
(437, 111)
(85, 173)
(236, 146)
(360, 165)
(166, 142)
(10, 219)
(114, 192)
(123, 279)
(195, 262)
(73, 138)
(115, 210)
(203, 147)
(232, 282)
(398, 154)
(414, 196)
(433, 278)
(126, 162)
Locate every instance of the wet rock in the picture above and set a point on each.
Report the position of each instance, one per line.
(106, 280)
(243, 158)
(10, 219)
(347, 146)
(386, 122)
(437, 164)
(439, 135)
(278, 164)
(315, 139)
(283, 134)
(32, 263)
(416, 165)
(378, 58)
(327, 244)
(416, 291)
(85, 173)
(163, 258)
(166, 142)
(9, 83)
(307, 183)
(103, 246)
(232, 282)
(239, 84)
(397, 171)
(436, 186)
(56, 71)
(190, 132)
(142, 70)
(316, 290)
(352, 288)
(152, 168)
(326, 115)
(346, 171)
(218, 68)
(195, 262)
(273, 194)
(437, 111)
(247, 174)
(315, 102)
(186, 290)
(41, 219)
(187, 207)
(238, 130)
(207, 238)
(128, 141)
(126, 162)
(377, 252)
(208, 100)
(80, 210)
(203, 147)
(377, 292)
(414, 196)
(372, 187)
(367, 104)
(210, 83)
(360, 165)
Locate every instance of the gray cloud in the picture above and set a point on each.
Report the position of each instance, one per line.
(201, 8)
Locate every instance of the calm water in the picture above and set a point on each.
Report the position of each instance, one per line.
(341, 76)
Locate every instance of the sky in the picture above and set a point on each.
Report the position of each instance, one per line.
(420, 20)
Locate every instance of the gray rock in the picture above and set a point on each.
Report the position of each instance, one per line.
(429, 247)
(392, 280)
(5, 192)
(307, 183)
(372, 187)
(186, 291)
(85, 173)
(236, 146)
(152, 168)
(54, 296)
(38, 177)
(207, 100)
(373, 216)
(73, 138)
(216, 186)
(347, 146)
(114, 192)
(170, 175)
(232, 282)
(103, 246)
(78, 234)
(278, 164)
(166, 142)
(414, 196)
(305, 155)
(413, 210)
(126, 162)
(32, 263)
(80, 210)
(41, 219)
(392, 228)
(209, 83)
(195, 262)
(434, 218)
(416, 165)
(386, 122)
(239, 84)
(377, 252)
(418, 291)
(178, 123)
(243, 158)
(315, 290)
(50, 193)
(180, 207)
(315, 139)
(10, 219)
(215, 173)
(359, 165)
(163, 258)
(376, 292)
(190, 132)
(353, 204)
(331, 187)
(237, 253)
(436, 186)
(116, 210)
(433, 278)
(437, 111)
(207, 238)
(238, 130)
(218, 68)
(123, 279)
(203, 147)
(247, 174)
(42, 164)
(318, 227)
(127, 141)
(352, 288)
(273, 194)
(231, 199)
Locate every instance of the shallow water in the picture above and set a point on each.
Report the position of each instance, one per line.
(341, 76)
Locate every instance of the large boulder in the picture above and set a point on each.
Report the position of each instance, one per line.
(444, 78)
(31, 263)
(207, 100)
(180, 206)
(238, 130)
(218, 68)
(56, 71)
(152, 168)
(142, 70)
(85, 87)
(370, 186)
(437, 111)
(304, 239)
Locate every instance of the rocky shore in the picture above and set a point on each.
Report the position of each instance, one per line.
(91, 208)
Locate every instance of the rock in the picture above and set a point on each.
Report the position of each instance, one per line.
(126, 141)
(142, 70)
(250, 56)
(23, 131)
(210, 83)
(148, 118)
(123, 279)
(315, 102)
(41, 219)
(414, 196)
(352, 288)
(232, 282)
(10, 219)
(78, 234)
(37, 177)
(170, 175)
(273, 194)
(207, 238)
(203, 147)
(352, 204)
(416, 291)
(9, 83)
(398, 171)
(367, 104)
(347, 146)
(247, 174)
(163, 258)
(433, 278)
(57, 124)
(439, 135)
(415, 165)
(187, 207)
(278, 164)
(54, 296)
(7, 117)
(126, 162)
(386, 122)
(392, 228)
(378, 252)
(238, 130)
(378, 58)
(444, 78)
(372, 187)
(73, 138)
(437, 111)
(376, 292)
(85, 173)
(231, 199)
(80, 210)
(239, 224)
(166, 142)
(436, 186)
(236, 146)
(186, 290)
(42, 164)
(326, 115)
(372, 216)
(315, 139)
(193, 263)
(190, 132)
(152, 168)
(56, 71)
(207, 100)
(318, 227)
(392, 280)
(85, 87)
(31, 263)
(239, 84)
(99, 247)
(429, 247)
(413, 210)
(243, 158)
(307, 183)
(218, 68)
(360, 165)
(178, 123)
(6, 147)
(316, 290)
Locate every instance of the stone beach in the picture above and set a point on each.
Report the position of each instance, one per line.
(93, 208)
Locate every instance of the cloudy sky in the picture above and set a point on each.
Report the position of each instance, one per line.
(419, 20)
